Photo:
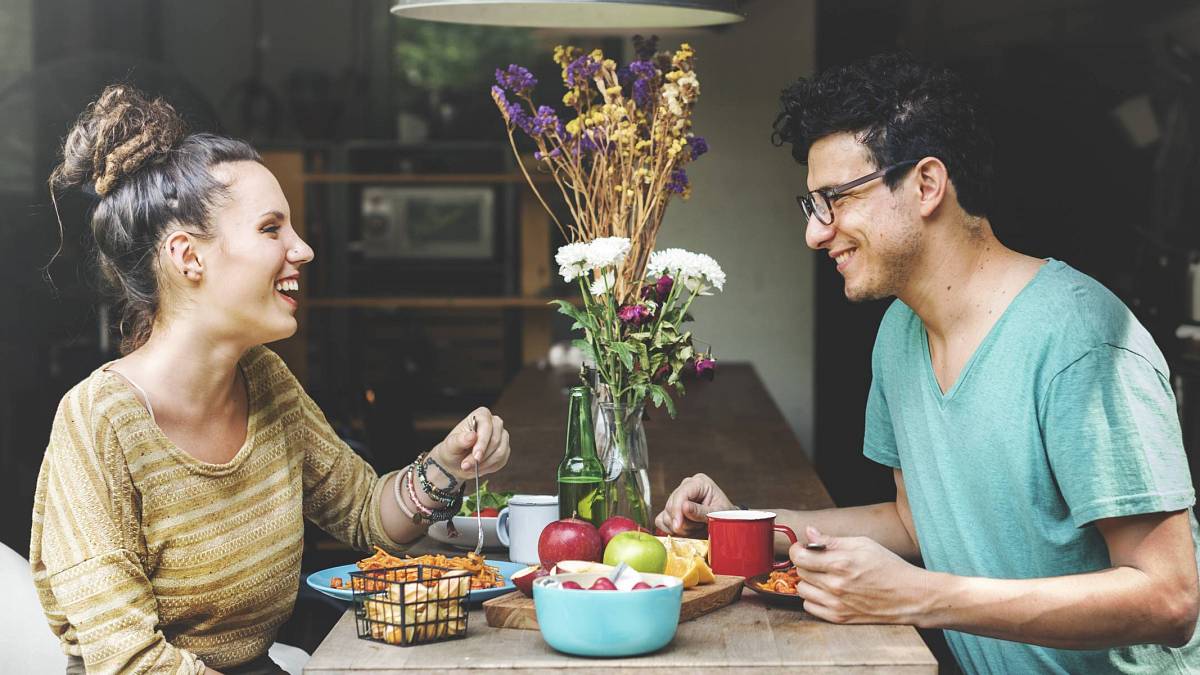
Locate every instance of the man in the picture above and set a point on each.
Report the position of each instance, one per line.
(1027, 415)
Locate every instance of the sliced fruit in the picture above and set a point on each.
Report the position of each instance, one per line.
(697, 546)
(691, 578)
(602, 584)
(524, 579)
(676, 566)
(706, 573)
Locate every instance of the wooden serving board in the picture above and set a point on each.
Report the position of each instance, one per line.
(516, 611)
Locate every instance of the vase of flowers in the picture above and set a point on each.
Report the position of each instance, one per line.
(617, 162)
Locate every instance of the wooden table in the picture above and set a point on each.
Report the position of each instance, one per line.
(733, 431)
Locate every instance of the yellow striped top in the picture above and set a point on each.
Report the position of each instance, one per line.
(149, 560)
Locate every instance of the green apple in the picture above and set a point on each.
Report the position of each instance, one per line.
(640, 550)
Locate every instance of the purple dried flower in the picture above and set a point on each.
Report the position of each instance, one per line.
(544, 121)
(706, 368)
(645, 72)
(698, 145)
(516, 79)
(587, 142)
(538, 155)
(581, 70)
(678, 182)
(516, 114)
(635, 315)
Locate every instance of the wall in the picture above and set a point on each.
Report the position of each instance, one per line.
(743, 210)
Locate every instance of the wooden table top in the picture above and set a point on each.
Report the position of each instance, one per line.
(730, 429)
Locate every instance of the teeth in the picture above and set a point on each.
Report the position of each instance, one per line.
(844, 257)
(287, 285)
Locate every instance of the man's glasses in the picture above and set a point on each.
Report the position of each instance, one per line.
(819, 203)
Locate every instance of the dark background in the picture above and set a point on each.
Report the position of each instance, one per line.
(1071, 182)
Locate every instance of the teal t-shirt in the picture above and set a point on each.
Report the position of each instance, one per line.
(1063, 415)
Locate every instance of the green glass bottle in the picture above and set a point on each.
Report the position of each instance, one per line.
(581, 475)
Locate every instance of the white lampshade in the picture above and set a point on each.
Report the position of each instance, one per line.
(577, 14)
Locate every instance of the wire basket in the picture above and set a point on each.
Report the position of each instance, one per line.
(411, 605)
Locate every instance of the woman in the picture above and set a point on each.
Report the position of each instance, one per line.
(168, 518)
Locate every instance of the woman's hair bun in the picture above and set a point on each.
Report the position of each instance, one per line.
(117, 134)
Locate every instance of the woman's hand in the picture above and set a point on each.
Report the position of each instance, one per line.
(462, 448)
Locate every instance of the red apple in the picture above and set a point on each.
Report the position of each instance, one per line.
(641, 586)
(616, 525)
(603, 584)
(572, 586)
(524, 579)
(569, 539)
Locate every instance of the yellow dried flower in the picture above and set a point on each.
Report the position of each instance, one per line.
(570, 98)
(613, 91)
(573, 126)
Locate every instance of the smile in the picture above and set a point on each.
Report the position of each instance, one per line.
(844, 257)
(287, 288)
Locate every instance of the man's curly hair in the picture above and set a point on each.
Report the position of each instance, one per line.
(900, 109)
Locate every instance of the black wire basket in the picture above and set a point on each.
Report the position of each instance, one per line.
(411, 605)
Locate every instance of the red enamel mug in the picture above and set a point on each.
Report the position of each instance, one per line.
(742, 543)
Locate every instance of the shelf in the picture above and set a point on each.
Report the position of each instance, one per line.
(401, 302)
(423, 179)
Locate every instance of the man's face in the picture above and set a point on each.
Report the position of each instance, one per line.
(875, 237)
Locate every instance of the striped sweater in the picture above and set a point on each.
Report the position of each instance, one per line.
(149, 560)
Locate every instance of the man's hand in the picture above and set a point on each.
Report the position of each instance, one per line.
(462, 447)
(856, 580)
(689, 505)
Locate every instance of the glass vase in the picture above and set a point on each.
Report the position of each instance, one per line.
(621, 445)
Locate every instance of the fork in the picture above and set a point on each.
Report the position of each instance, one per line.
(478, 506)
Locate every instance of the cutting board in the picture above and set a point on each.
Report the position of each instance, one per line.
(516, 611)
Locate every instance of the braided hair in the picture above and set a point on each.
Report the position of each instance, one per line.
(150, 176)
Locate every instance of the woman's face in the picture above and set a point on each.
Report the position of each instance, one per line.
(252, 264)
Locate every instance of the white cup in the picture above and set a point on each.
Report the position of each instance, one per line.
(521, 522)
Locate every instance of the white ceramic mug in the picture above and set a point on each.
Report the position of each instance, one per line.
(521, 522)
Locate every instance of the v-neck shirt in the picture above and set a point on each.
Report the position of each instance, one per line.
(148, 559)
(1063, 415)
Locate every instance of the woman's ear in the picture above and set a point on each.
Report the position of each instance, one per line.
(181, 250)
(933, 181)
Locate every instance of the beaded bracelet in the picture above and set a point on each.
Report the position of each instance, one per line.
(426, 513)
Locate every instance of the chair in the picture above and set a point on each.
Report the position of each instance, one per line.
(26, 644)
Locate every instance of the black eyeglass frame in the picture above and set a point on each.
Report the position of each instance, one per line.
(830, 193)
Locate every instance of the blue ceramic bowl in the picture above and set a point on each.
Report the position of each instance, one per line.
(607, 623)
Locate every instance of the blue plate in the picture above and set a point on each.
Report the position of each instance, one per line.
(319, 581)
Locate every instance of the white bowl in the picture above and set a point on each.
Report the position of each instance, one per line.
(466, 527)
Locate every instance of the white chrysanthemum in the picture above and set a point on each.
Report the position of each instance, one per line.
(607, 252)
(709, 271)
(697, 271)
(572, 260)
(603, 284)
